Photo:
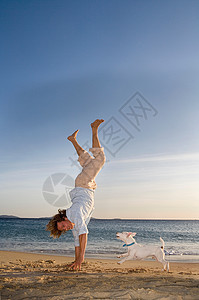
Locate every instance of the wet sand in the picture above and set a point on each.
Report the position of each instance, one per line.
(36, 276)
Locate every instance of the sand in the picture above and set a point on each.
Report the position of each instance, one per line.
(36, 276)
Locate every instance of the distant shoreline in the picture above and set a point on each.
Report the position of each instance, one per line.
(100, 219)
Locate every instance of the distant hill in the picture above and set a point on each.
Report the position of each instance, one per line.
(15, 217)
(8, 217)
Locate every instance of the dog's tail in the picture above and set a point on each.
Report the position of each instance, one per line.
(162, 243)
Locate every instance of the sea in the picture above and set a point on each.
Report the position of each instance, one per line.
(29, 235)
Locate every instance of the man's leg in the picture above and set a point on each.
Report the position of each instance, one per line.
(72, 139)
(91, 166)
(95, 140)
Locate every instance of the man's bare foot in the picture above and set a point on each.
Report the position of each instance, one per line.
(73, 136)
(96, 123)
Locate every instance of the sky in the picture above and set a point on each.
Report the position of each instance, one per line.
(133, 63)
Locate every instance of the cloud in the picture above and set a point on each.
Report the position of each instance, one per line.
(182, 157)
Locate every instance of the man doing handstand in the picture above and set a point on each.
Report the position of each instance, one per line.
(77, 217)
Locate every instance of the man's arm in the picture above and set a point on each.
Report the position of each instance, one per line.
(83, 243)
(77, 251)
(80, 252)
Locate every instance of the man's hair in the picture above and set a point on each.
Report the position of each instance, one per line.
(52, 224)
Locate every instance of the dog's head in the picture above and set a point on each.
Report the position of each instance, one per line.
(126, 236)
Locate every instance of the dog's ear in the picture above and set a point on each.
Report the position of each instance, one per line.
(131, 234)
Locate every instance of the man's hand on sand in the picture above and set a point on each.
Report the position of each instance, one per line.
(76, 265)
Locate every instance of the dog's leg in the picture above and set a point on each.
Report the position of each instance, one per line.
(164, 266)
(168, 269)
(160, 257)
(124, 259)
(164, 263)
(122, 255)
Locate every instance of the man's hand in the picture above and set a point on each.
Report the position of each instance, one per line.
(77, 264)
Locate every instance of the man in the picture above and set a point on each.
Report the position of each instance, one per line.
(77, 217)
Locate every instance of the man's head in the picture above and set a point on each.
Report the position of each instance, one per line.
(59, 224)
(65, 225)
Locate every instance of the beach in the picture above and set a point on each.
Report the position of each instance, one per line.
(36, 276)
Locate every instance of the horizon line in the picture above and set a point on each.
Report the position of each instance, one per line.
(160, 219)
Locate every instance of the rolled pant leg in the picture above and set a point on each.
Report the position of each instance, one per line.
(84, 158)
(91, 167)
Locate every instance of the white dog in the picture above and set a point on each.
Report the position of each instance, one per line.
(136, 251)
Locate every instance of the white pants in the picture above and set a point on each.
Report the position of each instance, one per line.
(91, 167)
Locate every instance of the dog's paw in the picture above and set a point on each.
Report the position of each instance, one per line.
(119, 262)
(119, 256)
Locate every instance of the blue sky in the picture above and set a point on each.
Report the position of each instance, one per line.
(65, 63)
